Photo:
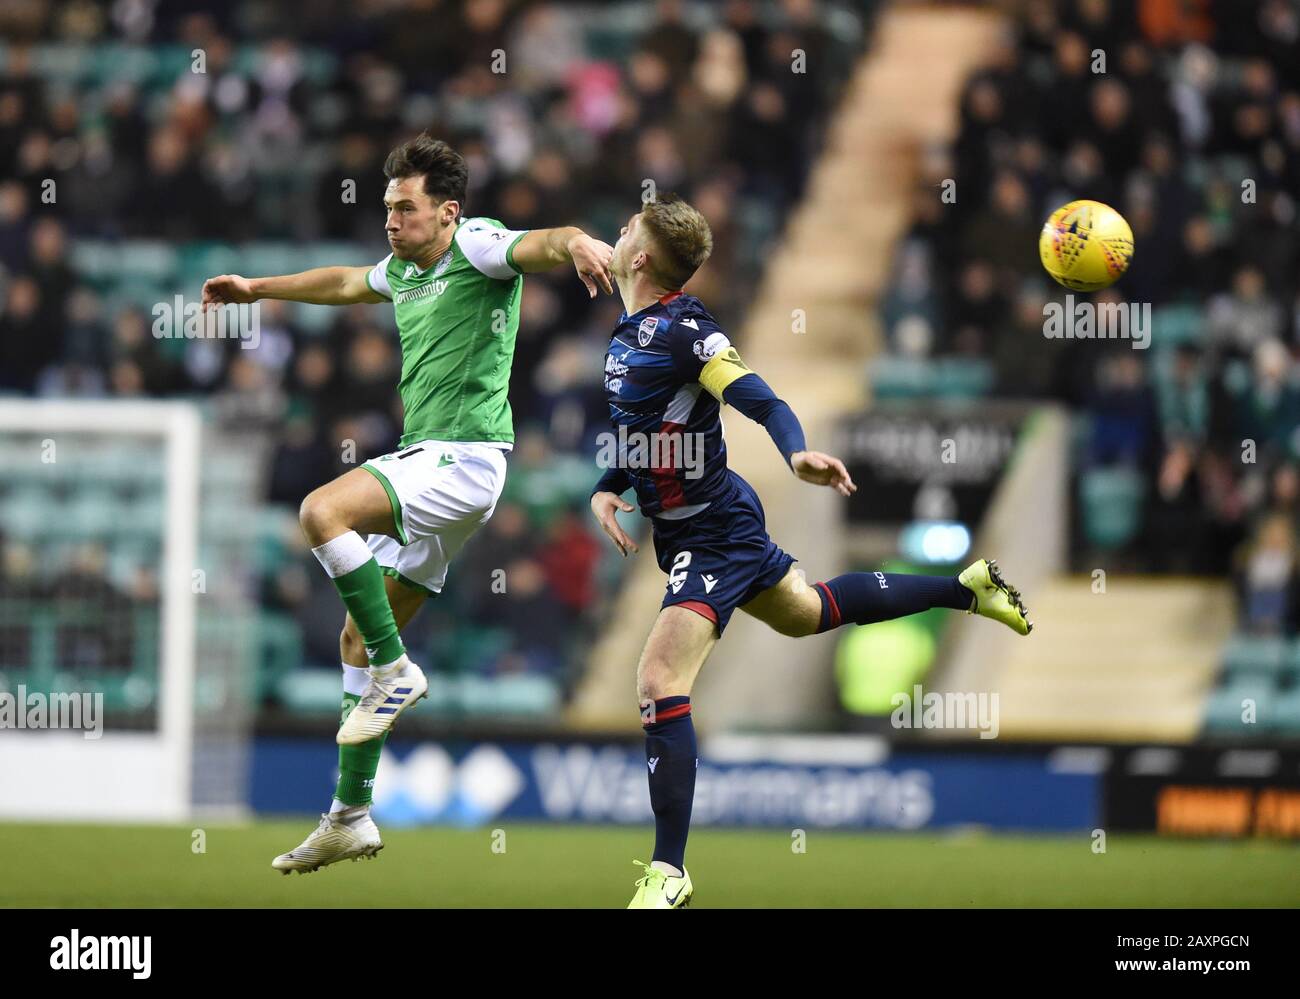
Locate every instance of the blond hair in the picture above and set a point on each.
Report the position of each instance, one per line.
(681, 235)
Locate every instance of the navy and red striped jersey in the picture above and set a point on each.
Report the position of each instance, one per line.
(667, 427)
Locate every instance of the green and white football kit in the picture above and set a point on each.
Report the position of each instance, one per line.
(457, 320)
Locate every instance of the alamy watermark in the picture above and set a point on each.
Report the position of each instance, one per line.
(1092, 321)
(92, 952)
(656, 451)
(182, 320)
(950, 709)
(36, 709)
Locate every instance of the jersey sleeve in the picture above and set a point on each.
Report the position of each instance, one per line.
(754, 398)
(489, 246)
(703, 353)
(377, 278)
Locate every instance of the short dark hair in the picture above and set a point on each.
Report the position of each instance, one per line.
(444, 170)
(681, 234)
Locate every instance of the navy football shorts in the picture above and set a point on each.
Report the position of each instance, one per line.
(721, 557)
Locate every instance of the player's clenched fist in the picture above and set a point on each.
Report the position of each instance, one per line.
(227, 289)
(822, 470)
(604, 505)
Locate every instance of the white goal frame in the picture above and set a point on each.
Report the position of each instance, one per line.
(122, 776)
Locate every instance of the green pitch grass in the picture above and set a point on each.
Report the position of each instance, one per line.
(550, 866)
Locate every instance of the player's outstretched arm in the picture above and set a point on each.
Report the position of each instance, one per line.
(319, 286)
(542, 249)
(730, 381)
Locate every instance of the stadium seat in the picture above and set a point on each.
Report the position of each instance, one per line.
(140, 517)
(1225, 708)
(921, 378)
(271, 258)
(279, 651)
(508, 695)
(26, 510)
(963, 378)
(1286, 713)
(148, 259)
(1110, 502)
(1254, 656)
(1175, 325)
(1291, 665)
(308, 690)
(93, 512)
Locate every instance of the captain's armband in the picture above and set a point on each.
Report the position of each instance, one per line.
(721, 370)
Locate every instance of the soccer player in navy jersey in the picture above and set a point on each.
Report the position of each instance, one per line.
(668, 370)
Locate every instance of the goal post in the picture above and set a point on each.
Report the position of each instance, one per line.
(61, 454)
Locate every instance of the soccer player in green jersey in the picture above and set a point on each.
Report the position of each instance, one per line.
(385, 532)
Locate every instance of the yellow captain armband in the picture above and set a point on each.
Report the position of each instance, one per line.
(723, 369)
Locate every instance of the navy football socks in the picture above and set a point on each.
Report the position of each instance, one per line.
(670, 756)
(868, 597)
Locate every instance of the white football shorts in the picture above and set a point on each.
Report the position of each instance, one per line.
(441, 493)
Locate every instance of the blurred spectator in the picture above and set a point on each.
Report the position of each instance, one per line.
(1199, 147)
(128, 180)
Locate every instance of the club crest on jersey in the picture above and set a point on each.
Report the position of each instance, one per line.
(443, 263)
(646, 331)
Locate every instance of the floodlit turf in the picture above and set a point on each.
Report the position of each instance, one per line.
(79, 865)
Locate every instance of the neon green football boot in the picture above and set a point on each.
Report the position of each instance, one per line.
(994, 597)
(657, 890)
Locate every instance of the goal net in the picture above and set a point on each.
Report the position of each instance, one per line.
(123, 664)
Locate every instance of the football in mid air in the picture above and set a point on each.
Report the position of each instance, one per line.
(1086, 245)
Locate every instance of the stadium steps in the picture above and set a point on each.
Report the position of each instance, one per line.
(1134, 663)
(831, 263)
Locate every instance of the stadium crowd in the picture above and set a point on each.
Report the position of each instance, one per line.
(1199, 147)
(202, 126)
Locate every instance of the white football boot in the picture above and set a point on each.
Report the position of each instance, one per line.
(338, 837)
(385, 698)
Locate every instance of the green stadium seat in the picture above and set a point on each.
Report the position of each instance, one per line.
(279, 653)
(95, 261)
(25, 510)
(1110, 502)
(1291, 665)
(134, 691)
(170, 63)
(474, 648)
(141, 516)
(334, 254)
(119, 61)
(1255, 656)
(151, 260)
(1175, 325)
(508, 695)
(1223, 715)
(65, 62)
(308, 690)
(919, 378)
(226, 471)
(899, 378)
(127, 554)
(313, 318)
(92, 512)
(1286, 713)
(271, 258)
(227, 635)
(963, 378)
